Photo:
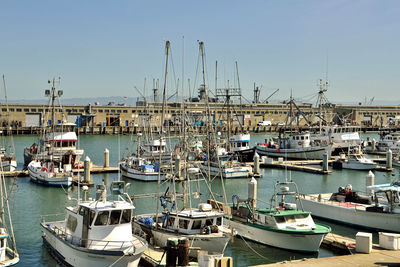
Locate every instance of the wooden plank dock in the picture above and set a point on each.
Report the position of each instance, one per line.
(152, 257)
(94, 169)
(294, 167)
(378, 257)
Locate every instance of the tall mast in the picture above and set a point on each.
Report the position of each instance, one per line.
(167, 45)
(8, 118)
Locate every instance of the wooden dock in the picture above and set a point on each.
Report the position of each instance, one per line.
(152, 257)
(94, 169)
(339, 243)
(295, 167)
(346, 245)
(378, 257)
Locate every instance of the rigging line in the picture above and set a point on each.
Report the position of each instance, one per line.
(197, 72)
(255, 250)
(173, 68)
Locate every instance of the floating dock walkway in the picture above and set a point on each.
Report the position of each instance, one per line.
(93, 169)
(377, 257)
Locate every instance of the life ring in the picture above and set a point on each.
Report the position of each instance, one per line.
(44, 169)
(300, 143)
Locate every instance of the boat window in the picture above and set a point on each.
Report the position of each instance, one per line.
(183, 224)
(114, 217)
(82, 211)
(102, 218)
(171, 221)
(209, 222)
(280, 219)
(306, 137)
(126, 216)
(219, 221)
(72, 222)
(302, 138)
(196, 224)
(290, 219)
(238, 144)
(301, 216)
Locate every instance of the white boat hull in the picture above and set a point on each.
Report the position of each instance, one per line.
(48, 179)
(358, 166)
(132, 173)
(234, 172)
(303, 153)
(213, 243)
(9, 165)
(348, 213)
(298, 242)
(77, 256)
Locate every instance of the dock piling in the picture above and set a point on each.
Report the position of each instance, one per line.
(389, 159)
(325, 162)
(370, 180)
(87, 169)
(106, 158)
(256, 163)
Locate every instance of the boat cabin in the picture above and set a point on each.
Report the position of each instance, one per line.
(294, 141)
(155, 146)
(285, 219)
(92, 221)
(240, 142)
(194, 221)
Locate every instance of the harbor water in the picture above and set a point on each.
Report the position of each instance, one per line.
(29, 201)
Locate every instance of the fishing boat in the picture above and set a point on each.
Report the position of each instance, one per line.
(379, 210)
(202, 226)
(222, 163)
(7, 149)
(60, 138)
(342, 138)
(354, 161)
(283, 225)
(95, 233)
(154, 148)
(387, 141)
(294, 146)
(240, 146)
(140, 169)
(7, 160)
(50, 173)
(8, 248)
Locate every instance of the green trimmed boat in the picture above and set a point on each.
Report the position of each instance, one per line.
(283, 225)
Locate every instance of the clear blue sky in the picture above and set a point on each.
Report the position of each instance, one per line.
(104, 48)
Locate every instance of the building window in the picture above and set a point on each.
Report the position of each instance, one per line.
(19, 109)
(125, 111)
(26, 109)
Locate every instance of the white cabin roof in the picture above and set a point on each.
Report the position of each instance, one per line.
(108, 205)
(196, 213)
